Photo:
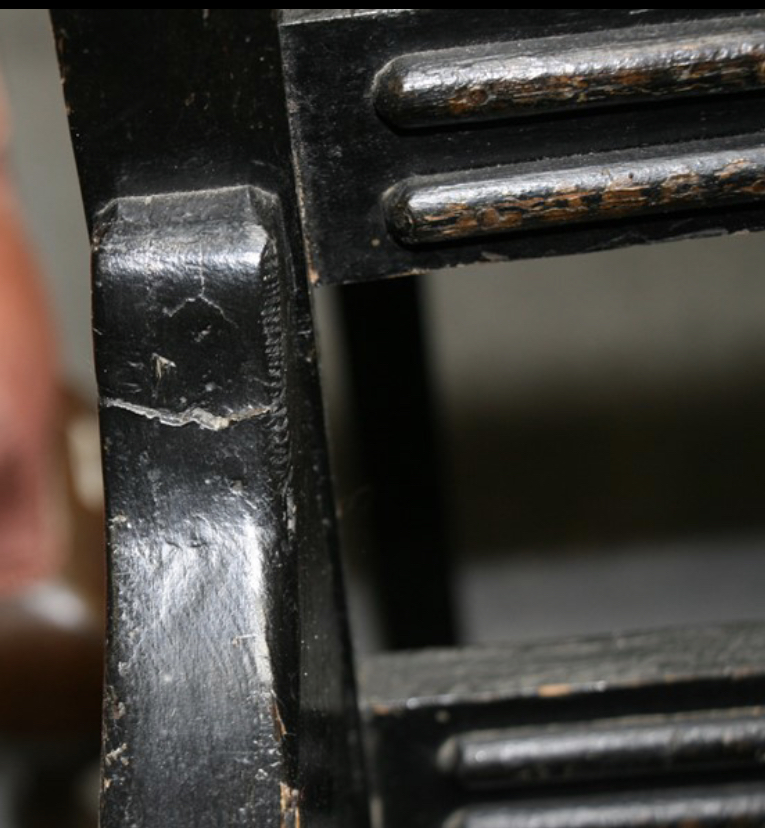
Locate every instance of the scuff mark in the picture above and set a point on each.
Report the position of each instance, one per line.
(202, 297)
(171, 312)
(291, 513)
(118, 709)
(118, 753)
(189, 416)
(161, 365)
(212, 304)
(554, 691)
(281, 730)
(238, 639)
(215, 306)
(289, 803)
(382, 710)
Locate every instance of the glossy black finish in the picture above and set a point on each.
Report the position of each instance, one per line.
(230, 696)
(609, 731)
(189, 302)
(348, 155)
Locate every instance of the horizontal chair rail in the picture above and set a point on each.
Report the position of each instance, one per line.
(467, 204)
(485, 82)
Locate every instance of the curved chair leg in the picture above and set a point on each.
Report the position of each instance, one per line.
(229, 692)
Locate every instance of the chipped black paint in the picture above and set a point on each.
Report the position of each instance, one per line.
(507, 200)
(348, 155)
(484, 82)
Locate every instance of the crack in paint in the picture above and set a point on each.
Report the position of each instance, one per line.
(189, 416)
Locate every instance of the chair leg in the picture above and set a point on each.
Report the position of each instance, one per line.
(220, 647)
(395, 421)
(230, 697)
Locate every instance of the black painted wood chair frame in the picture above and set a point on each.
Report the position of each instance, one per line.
(230, 160)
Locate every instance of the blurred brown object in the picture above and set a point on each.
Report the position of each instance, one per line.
(51, 633)
(50, 587)
(31, 544)
(51, 550)
(51, 648)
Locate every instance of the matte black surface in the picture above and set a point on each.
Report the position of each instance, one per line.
(715, 807)
(608, 731)
(348, 155)
(555, 669)
(161, 100)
